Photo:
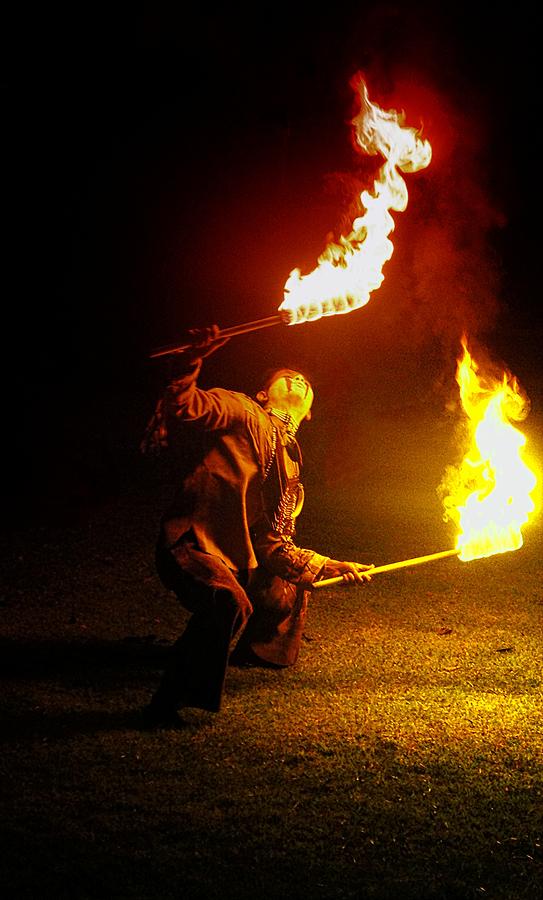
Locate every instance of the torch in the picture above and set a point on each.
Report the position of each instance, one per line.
(232, 331)
(389, 567)
(349, 270)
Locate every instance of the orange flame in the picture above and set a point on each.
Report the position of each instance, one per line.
(348, 271)
(490, 495)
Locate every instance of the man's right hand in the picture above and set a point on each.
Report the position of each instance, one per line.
(204, 341)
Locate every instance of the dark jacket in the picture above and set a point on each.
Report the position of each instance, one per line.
(234, 469)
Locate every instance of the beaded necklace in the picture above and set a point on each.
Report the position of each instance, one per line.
(290, 424)
(283, 520)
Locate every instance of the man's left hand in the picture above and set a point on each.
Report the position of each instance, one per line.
(350, 571)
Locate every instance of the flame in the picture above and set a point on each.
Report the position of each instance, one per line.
(348, 271)
(490, 495)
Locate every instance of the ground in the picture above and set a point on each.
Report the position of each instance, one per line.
(402, 756)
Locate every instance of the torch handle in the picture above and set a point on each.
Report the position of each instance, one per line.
(245, 327)
(390, 567)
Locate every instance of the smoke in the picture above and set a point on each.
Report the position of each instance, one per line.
(446, 275)
(455, 272)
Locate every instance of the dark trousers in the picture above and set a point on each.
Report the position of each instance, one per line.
(220, 607)
(266, 612)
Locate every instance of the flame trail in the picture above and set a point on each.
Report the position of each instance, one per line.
(348, 271)
(490, 495)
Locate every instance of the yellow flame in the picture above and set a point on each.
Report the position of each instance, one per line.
(490, 495)
(348, 271)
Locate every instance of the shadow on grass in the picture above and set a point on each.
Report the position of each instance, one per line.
(40, 659)
(50, 726)
(81, 672)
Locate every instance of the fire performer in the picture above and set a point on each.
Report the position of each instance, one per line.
(226, 542)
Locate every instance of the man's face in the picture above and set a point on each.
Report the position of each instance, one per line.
(290, 389)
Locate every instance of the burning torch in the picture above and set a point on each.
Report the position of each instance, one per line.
(348, 271)
(490, 495)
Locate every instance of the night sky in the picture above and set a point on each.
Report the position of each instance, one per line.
(165, 172)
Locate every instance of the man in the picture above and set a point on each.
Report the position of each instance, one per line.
(226, 542)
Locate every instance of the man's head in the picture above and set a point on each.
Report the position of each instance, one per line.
(287, 390)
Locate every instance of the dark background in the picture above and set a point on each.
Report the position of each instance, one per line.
(166, 170)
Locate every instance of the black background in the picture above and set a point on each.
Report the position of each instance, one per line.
(165, 170)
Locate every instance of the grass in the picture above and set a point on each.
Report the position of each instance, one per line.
(401, 757)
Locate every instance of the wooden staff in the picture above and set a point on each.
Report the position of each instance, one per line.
(390, 567)
(256, 325)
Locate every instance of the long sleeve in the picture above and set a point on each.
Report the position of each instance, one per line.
(184, 402)
(210, 410)
(221, 443)
(280, 556)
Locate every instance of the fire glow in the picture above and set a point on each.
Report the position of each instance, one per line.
(348, 271)
(490, 495)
